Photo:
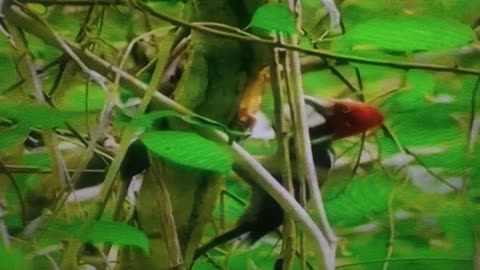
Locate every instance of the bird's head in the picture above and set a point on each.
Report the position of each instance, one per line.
(347, 118)
(339, 119)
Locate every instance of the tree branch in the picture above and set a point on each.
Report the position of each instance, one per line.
(317, 52)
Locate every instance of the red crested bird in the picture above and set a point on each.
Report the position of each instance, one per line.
(327, 121)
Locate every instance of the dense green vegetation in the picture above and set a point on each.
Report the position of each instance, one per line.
(83, 80)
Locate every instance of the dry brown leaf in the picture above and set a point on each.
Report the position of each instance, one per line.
(252, 98)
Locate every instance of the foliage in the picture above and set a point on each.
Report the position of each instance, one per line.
(412, 34)
(189, 150)
(13, 259)
(407, 197)
(115, 233)
(274, 17)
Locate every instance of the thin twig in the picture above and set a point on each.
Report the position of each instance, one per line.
(50, 139)
(53, 263)
(474, 119)
(317, 52)
(404, 260)
(13, 182)
(4, 235)
(299, 169)
(33, 81)
(359, 155)
(227, 27)
(390, 135)
(391, 219)
(128, 136)
(95, 76)
(268, 42)
(78, 2)
(306, 167)
(476, 255)
(89, 152)
(166, 217)
(246, 165)
(161, 30)
(283, 139)
(234, 197)
(429, 170)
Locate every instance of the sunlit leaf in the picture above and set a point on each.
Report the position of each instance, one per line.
(13, 259)
(78, 99)
(407, 34)
(31, 115)
(189, 150)
(116, 233)
(12, 136)
(274, 17)
(458, 227)
(361, 200)
(425, 126)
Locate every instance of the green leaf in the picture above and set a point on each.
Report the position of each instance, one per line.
(407, 34)
(206, 122)
(234, 202)
(274, 17)
(146, 121)
(456, 221)
(431, 125)
(7, 68)
(188, 149)
(120, 234)
(13, 259)
(30, 116)
(77, 99)
(386, 144)
(420, 80)
(12, 136)
(361, 200)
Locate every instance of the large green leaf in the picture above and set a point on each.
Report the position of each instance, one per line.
(13, 259)
(26, 116)
(30, 115)
(426, 126)
(78, 99)
(119, 234)
(7, 68)
(360, 201)
(12, 136)
(456, 221)
(258, 257)
(412, 250)
(188, 149)
(407, 34)
(274, 17)
(148, 121)
(116, 233)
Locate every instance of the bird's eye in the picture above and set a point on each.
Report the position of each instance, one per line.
(342, 108)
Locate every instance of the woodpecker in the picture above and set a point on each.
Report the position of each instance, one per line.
(328, 121)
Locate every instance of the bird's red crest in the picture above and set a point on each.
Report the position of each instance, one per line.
(349, 118)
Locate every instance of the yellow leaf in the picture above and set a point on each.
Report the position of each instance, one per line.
(252, 98)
